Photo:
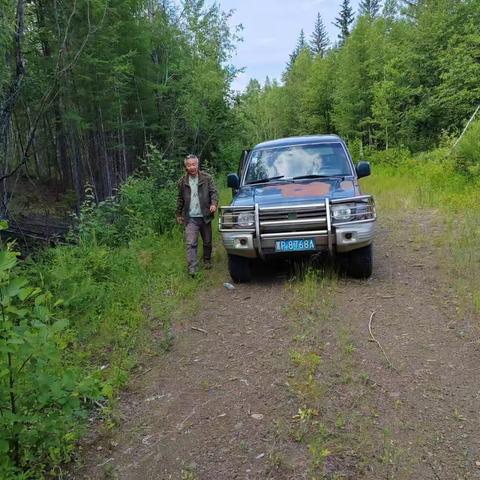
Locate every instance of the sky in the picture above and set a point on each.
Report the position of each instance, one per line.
(270, 32)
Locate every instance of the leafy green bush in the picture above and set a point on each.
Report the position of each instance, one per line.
(141, 207)
(119, 279)
(41, 398)
(433, 180)
(467, 152)
(392, 156)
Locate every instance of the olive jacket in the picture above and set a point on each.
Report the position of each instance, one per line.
(207, 195)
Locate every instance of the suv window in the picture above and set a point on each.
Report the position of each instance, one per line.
(325, 159)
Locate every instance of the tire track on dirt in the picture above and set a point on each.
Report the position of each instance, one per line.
(207, 408)
(217, 406)
(430, 407)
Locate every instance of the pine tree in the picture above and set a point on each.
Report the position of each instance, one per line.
(390, 8)
(344, 20)
(369, 8)
(301, 45)
(320, 40)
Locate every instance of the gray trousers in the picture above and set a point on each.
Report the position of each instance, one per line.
(194, 227)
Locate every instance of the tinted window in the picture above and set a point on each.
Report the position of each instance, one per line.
(295, 161)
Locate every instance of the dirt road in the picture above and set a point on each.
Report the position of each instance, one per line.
(252, 390)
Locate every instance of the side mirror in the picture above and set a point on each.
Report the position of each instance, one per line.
(233, 181)
(363, 169)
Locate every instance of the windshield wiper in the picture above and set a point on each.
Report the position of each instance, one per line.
(265, 180)
(300, 177)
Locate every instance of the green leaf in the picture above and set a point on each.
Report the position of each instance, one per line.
(60, 325)
(7, 260)
(40, 299)
(28, 292)
(15, 287)
(4, 446)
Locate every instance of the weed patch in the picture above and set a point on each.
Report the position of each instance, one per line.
(98, 308)
(433, 181)
(334, 418)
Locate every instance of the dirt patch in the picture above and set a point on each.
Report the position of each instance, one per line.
(222, 403)
(425, 408)
(208, 408)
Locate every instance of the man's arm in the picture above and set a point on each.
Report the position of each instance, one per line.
(180, 202)
(213, 194)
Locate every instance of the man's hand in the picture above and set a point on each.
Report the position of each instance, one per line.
(180, 220)
(213, 208)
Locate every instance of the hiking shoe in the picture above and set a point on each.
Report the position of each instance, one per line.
(207, 264)
(192, 271)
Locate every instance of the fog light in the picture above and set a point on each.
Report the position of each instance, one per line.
(240, 242)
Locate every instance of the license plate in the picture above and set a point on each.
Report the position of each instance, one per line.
(297, 245)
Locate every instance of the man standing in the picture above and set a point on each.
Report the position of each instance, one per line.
(196, 206)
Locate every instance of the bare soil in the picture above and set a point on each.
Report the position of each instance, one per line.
(219, 404)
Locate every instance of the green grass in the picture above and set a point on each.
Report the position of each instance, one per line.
(336, 418)
(121, 286)
(432, 182)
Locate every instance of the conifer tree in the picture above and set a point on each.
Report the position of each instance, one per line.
(319, 41)
(344, 20)
(301, 45)
(390, 8)
(369, 8)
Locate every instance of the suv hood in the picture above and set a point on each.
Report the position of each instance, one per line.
(291, 193)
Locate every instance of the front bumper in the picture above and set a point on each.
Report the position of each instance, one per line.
(259, 241)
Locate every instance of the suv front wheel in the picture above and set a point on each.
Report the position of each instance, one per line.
(239, 268)
(357, 263)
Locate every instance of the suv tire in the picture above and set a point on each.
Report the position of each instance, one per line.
(357, 263)
(239, 268)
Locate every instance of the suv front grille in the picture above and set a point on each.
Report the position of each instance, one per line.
(293, 219)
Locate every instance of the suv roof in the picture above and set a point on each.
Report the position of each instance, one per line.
(305, 140)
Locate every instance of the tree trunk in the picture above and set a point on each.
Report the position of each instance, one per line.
(7, 106)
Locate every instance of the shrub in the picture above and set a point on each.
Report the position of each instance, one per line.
(393, 156)
(41, 398)
(467, 152)
(140, 208)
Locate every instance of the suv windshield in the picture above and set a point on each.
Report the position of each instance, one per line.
(322, 159)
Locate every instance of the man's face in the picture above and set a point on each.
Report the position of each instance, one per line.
(191, 165)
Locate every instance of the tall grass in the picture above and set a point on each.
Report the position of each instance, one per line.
(119, 284)
(435, 180)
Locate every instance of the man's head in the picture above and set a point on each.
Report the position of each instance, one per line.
(191, 165)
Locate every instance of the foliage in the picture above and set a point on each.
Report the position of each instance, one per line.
(145, 204)
(119, 280)
(42, 399)
(370, 8)
(433, 180)
(403, 80)
(106, 79)
(319, 40)
(344, 20)
(467, 153)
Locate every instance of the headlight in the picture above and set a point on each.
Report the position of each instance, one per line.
(352, 211)
(343, 212)
(246, 219)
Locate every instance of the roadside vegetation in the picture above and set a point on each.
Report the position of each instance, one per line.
(76, 319)
(445, 180)
(103, 119)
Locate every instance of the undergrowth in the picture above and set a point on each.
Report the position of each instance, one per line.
(435, 181)
(323, 378)
(79, 317)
